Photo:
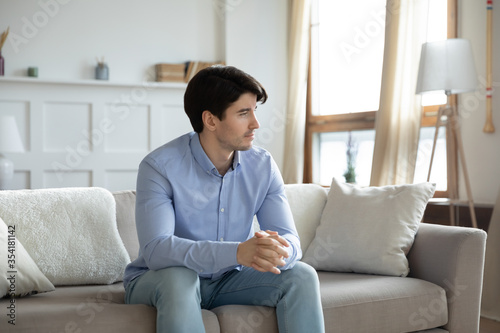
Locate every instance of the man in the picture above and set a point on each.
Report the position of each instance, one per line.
(196, 199)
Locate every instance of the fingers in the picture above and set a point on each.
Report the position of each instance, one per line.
(280, 239)
(261, 234)
(264, 266)
(273, 252)
(273, 235)
(273, 270)
(269, 257)
(265, 252)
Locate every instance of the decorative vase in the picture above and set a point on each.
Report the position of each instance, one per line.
(33, 71)
(102, 71)
(2, 64)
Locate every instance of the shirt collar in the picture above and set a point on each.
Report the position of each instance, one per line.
(236, 159)
(201, 157)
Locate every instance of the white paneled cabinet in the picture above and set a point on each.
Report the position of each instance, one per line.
(89, 133)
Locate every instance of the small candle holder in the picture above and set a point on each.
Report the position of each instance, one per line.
(33, 71)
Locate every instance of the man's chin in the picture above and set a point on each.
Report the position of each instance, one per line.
(245, 147)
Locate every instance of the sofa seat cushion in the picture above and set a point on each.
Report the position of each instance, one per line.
(89, 308)
(246, 318)
(373, 303)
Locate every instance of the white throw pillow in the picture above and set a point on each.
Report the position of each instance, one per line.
(19, 275)
(70, 233)
(368, 229)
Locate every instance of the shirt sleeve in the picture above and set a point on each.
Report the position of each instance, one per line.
(155, 221)
(275, 215)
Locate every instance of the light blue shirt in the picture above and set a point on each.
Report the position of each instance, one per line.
(188, 215)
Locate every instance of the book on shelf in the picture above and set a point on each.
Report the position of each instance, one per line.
(196, 66)
(182, 72)
(170, 72)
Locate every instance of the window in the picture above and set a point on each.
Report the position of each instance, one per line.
(347, 43)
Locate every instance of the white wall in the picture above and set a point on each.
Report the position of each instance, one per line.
(63, 38)
(482, 150)
(66, 36)
(256, 41)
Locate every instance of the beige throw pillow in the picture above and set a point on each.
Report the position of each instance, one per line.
(368, 229)
(19, 275)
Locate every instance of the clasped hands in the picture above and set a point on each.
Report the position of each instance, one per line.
(264, 252)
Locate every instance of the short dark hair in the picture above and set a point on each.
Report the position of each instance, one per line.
(215, 89)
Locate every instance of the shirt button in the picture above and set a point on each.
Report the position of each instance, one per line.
(222, 210)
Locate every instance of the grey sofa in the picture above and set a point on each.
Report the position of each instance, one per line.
(441, 294)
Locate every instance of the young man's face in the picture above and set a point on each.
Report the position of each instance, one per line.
(236, 131)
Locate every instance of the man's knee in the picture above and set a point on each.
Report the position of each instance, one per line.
(177, 300)
(303, 271)
(177, 280)
(302, 275)
(182, 276)
(178, 273)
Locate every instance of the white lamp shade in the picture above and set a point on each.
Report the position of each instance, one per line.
(447, 65)
(10, 140)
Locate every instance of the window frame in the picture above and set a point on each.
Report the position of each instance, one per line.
(366, 120)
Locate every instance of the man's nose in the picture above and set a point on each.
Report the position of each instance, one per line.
(254, 124)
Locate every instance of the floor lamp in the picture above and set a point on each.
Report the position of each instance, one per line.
(10, 142)
(448, 66)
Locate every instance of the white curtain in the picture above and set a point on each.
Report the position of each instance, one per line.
(398, 118)
(297, 91)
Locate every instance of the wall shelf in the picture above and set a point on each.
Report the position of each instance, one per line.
(146, 84)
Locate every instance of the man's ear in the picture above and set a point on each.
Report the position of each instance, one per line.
(208, 120)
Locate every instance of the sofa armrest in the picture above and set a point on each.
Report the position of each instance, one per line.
(453, 258)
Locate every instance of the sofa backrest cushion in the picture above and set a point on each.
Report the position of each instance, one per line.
(125, 220)
(307, 202)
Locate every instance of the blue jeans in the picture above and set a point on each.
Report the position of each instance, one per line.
(179, 295)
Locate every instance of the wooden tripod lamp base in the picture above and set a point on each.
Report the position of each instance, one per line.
(452, 125)
(448, 66)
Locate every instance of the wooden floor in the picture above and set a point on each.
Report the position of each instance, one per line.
(489, 326)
